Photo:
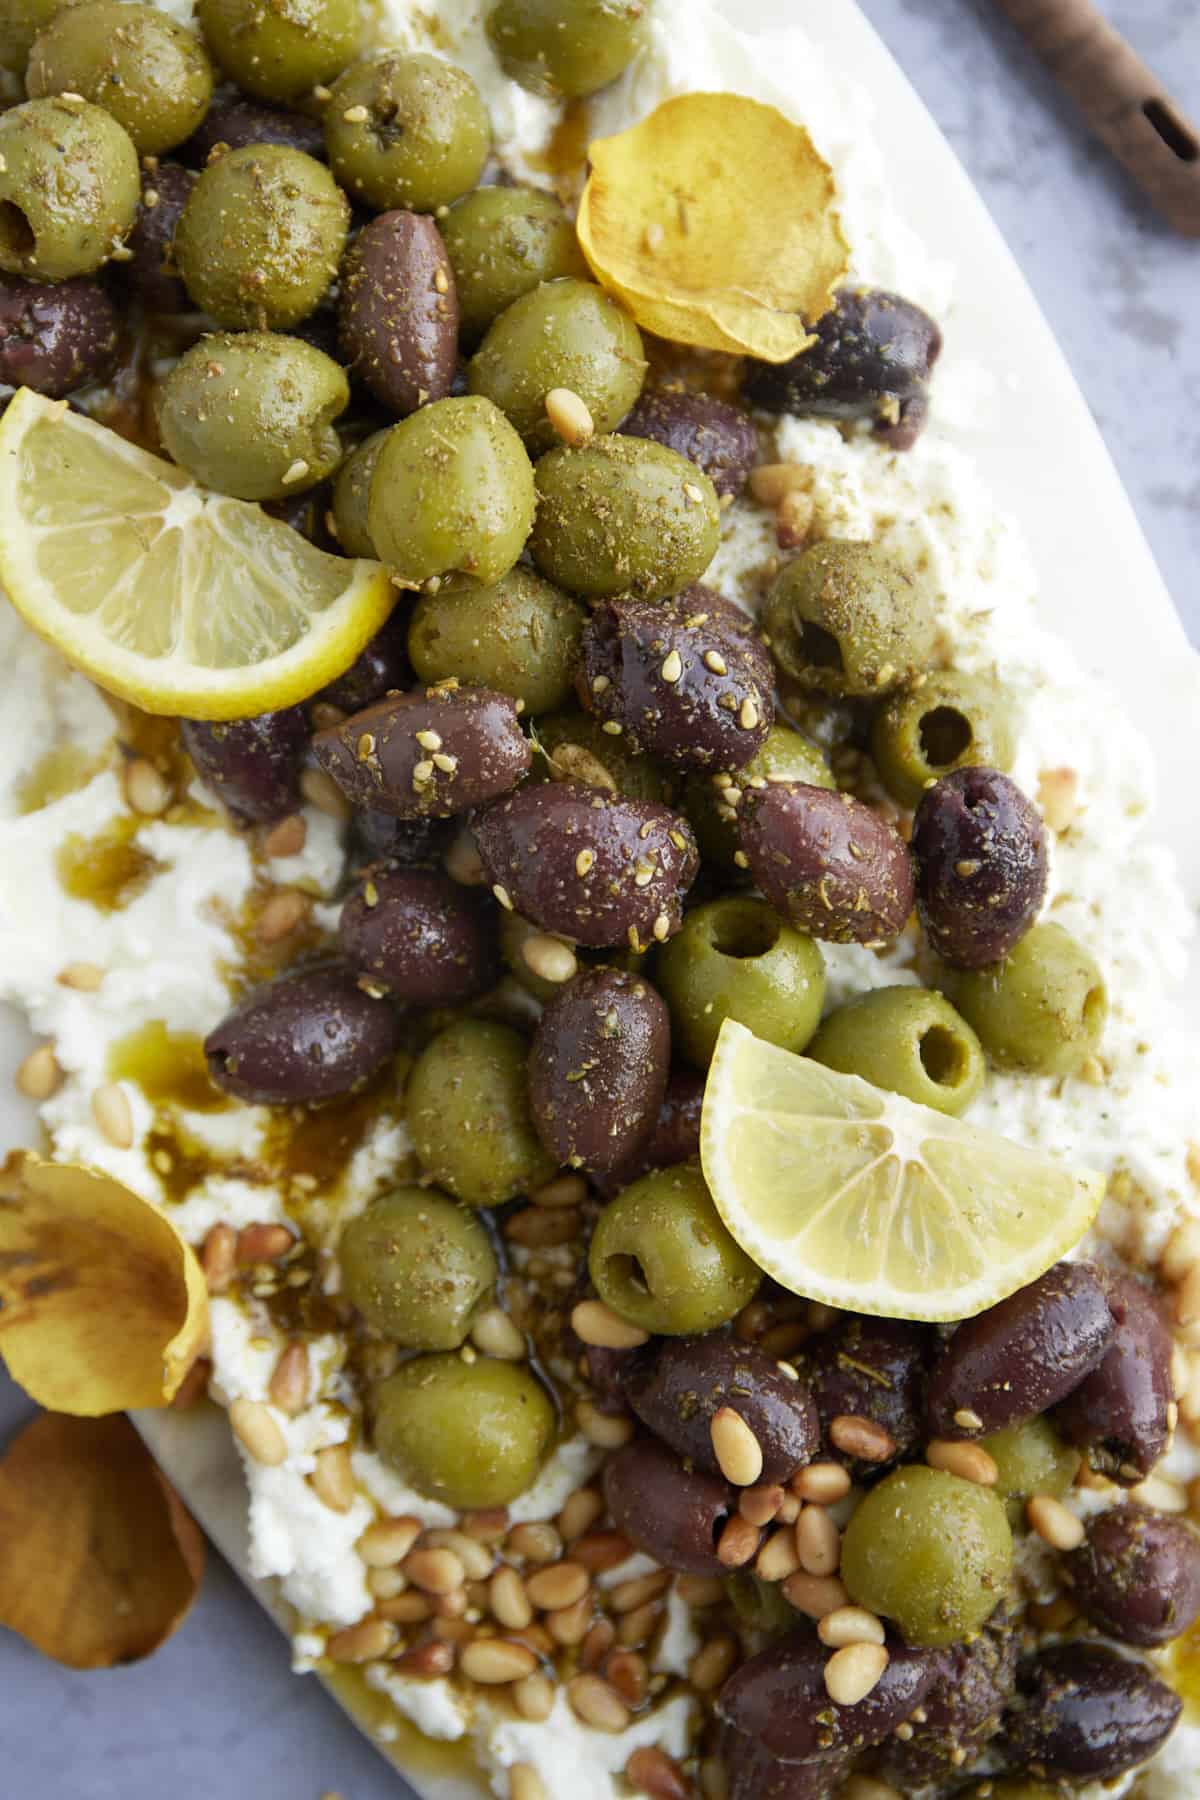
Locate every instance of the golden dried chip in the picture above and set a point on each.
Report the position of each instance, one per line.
(714, 222)
(101, 1562)
(103, 1307)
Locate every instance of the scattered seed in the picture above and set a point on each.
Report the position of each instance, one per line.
(258, 1432)
(700, 1590)
(365, 1642)
(672, 667)
(737, 1450)
(597, 1704)
(822, 1483)
(852, 1672)
(288, 1387)
(771, 481)
(508, 1600)
(1187, 1297)
(385, 1584)
(595, 1323)
(651, 1771)
(261, 1243)
(662, 928)
(601, 1550)
(84, 977)
(332, 1479)
(114, 1115)
(427, 1661)
(608, 1431)
(966, 1420)
(356, 115)
(295, 471)
(494, 1332)
(405, 1608)
(818, 1543)
(1054, 1523)
(542, 1227)
(218, 1257)
(693, 493)
(584, 862)
(850, 1625)
(284, 912)
(716, 662)
(569, 417)
(863, 1438)
(146, 790)
(39, 1076)
(462, 861)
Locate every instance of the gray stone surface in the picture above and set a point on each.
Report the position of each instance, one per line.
(216, 1715)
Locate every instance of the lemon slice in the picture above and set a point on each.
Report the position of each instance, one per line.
(862, 1199)
(178, 599)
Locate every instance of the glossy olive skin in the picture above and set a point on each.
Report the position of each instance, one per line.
(909, 1040)
(563, 334)
(281, 52)
(377, 761)
(712, 804)
(261, 237)
(574, 746)
(846, 621)
(520, 637)
(151, 273)
(417, 936)
(598, 1069)
(1044, 1008)
(253, 765)
(1089, 1713)
(827, 862)
(618, 516)
(416, 1266)
(502, 242)
(676, 1385)
(1118, 1413)
(674, 1137)
(568, 857)
(980, 852)
(1136, 1576)
(452, 493)
(377, 837)
(1023, 1355)
(867, 1368)
(151, 74)
(54, 337)
(398, 312)
(963, 1712)
(232, 124)
(717, 436)
(752, 1773)
(68, 188)
(308, 1035)
(946, 720)
(424, 140)
(352, 495)
(735, 958)
(1030, 1459)
(468, 1112)
(472, 1435)
(714, 706)
(662, 1259)
(378, 669)
(873, 358)
(672, 1512)
(565, 50)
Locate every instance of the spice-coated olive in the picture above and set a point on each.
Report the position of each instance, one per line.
(1119, 1412)
(672, 1512)
(232, 124)
(1044, 1008)
(378, 669)
(1087, 1713)
(875, 1369)
(467, 1107)
(752, 1773)
(907, 1039)
(674, 1137)
(282, 51)
(470, 1434)
(1137, 1575)
(417, 1266)
(309, 1035)
(847, 621)
(520, 636)
(566, 48)
(252, 764)
(1030, 1458)
(54, 337)
(503, 241)
(945, 720)
(68, 188)
(713, 800)
(151, 272)
(979, 847)
(406, 130)
(598, 1068)
(717, 437)
(151, 73)
(432, 753)
(827, 862)
(418, 936)
(20, 24)
(351, 498)
(735, 958)
(961, 1712)
(398, 311)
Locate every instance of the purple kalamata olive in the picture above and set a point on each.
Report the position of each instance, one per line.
(779, 1697)
(1137, 1575)
(875, 1369)
(675, 1135)
(252, 765)
(430, 753)
(827, 862)
(717, 437)
(398, 312)
(379, 669)
(672, 1513)
(598, 1068)
(309, 1035)
(1087, 1712)
(963, 1711)
(979, 847)
(232, 124)
(677, 1385)
(1023, 1355)
(591, 866)
(55, 336)
(418, 936)
(150, 272)
(1118, 1412)
(686, 684)
(754, 1774)
(377, 837)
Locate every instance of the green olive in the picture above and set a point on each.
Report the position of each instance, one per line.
(452, 493)
(251, 414)
(909, 1040)
(844, 620)
(944, 721)
(566, 48)
(930, 1552)
(416, 1265)
(260, 237)
(574, 746)
(352, 494)
(623, 515)
(20, 23)
(662, 1259)
(468, 1114)
(564, 334)
(281, 50)
(472, 1434)
(1031, 1459)
(151, 74)
(503, 241)
(69, 188)
(406, 131)
(1043, 1008)
(737, 959)
(520, 636)
(711, 801)
(759, 1605)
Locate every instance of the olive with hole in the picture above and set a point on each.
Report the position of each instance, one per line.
(55, 336)
(566, 50)
(623, 515)
(502, 243)
(472, 1435)
(352, 494)
(380, 668)
(282, 51)
(946, 720)
(873, 1369)
(908, 1040)
(151, 272)
(311, 1034)
(979, 847)
(1030, 1458)
(398, 311)
(151, 74)
(717, 436)
(432, 753)
(452, 493)
(20, 23)
(735, 958)
(69, 188)
(252, 414)
(416, 935)
(468, 1113)
(563, 334)
(1087, 1713)
(261, 236)
(662, 1259)
(666, 1508)
(848, 622)
(712, 801)
(252, 765)
(574, 746)
(1120, 1412)
(674, 1138)
(676, 1385)
(1136, 1575)
(406, 130)
(1044, 1008)
(232, 124)
(519, 636)
(960, 1715)
(598, 1068)
(416, 1265)
(827, 862)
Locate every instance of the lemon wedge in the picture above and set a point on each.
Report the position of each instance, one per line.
(178, 599)
(865, 1200)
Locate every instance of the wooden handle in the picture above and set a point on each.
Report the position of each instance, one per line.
(1122, 100)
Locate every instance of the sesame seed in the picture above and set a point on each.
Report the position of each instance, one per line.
(503, 896)
(422, 773)
(114, 1115)
(356, 115)
(748, 716)
(295, 471)
(365, 746)
(441, 281)
(662, 928)
(429, 740)
(84, 977)
(447, 764)
(569, 417)
(584, 862)
(716, 662)
(643, 875)
(694, 494)
(600, 683)
(612, 727)
(672, 667)
(740, 857)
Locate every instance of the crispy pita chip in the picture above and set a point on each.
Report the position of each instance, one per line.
(101, 1562)
(713, 220)
(103, 1307)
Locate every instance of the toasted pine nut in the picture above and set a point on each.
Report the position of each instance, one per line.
(287, 838)
(426, 1661)
(84, 977)
(852, 1672)
(562, 1190)
(863, 1438)
(113, 1114)
(599, 1551)
(534, 1698)
(388, 1541)
(638, 1627)
(434, 1571)
(1163, 1494)
(815, 1595)
(218, 1256)
(737, 1544)
(970, 1462)
(487, 1523)
(364, 1642)
(524, 1783)
(543, 1227)
(561, 1584)
(794, 519)
(598, 1705)
(569, 416)
(771, 481)
(778, 1557)
(608, 1431)
(850, 1625)
(569, 1624)
(789, 1510)
(284, 912)
(258, 1432)
(261, 1243)
(496, 1661)
(822, 1483)
(651, 1771)
(39, 1076)
(509, 1602)
(600, 1638)
(408, 1608)
(495, 1333)
(323, 792)
(712, 1663)
(581, 1510)
(288, 1386)
(146, 790)
(385, 1584)
(760, 1504)
(536, 1542)
(477, 1560)
(626, 1596)
(737, 1450)
(595, 1323)
(332, 1479)
(626, 1671)
(1054, 1523)
(818, 1544)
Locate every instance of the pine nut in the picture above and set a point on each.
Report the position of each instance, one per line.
(453, 1605)
(626, 1671)
(569, 417)
(850, 1625)
(593, 1701)
(1054, 1523)
(434, 1571)
(815, 1595)
(84, 977)
(863, 1438)
(638, 1627)
(737, 1450)
(258, 1432)
(114, 1115)
(711, 1664)
(535, 1542)
(39, 1076)
(581, 1510)
(700, 1590)
(852, 1672)
(818, 1544)
(218, 1257)
(1058, 797)
(771, 481)
(406, 1609)
(966, 1420)
(508, 1600)
(494, 1332)
(599, 1551)
(794, 519)
(1161, 1493)
(145, 789)
(568, 1625)
(651, 1771)
(475, 1559)
(626, 1596)
(462, 861)
(760, 1505)
(287, 838)
(822, 1483)
(562, 1190)
(288, 1386)
(364, 1642)
(283, 913)
(332, 1479)
(970, 1462)
(789, 1510)
(323, 792)
(595, 1323)
(487, 1523)
(496, 1662)
(385, 1584)
(778, 1557)
(263, 1243)
(549, 958)
(388, 1541)
(562, 1584)
(541, 1228)
(608, 1431)
(601, 1636)
(737, 1544)
(426, 1661)
(524, 1783)
(534, 1698)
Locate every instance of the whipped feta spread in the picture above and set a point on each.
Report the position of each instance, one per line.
(171, 953)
